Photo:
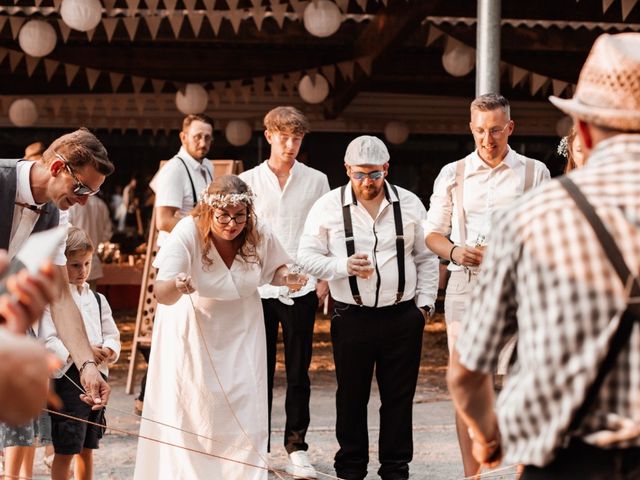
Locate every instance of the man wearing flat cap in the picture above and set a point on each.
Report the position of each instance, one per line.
(562, 272)
(366, 239)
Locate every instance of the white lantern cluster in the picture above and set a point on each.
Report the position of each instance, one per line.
(23, 112)
(193, 100)
(459, 60)
(238, 132)
(313, 90)
(37, 38)
(83, 15)
(396, 132)
(322, 18)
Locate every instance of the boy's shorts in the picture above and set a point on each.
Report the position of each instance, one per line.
(71, 436)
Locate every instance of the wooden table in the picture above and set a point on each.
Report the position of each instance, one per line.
(120, 283)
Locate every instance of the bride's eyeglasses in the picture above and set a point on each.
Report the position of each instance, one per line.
(225, 218)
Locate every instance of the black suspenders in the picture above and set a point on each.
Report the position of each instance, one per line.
(193, 187)
(351, 247)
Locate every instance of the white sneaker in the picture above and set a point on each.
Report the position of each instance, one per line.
(299, 465)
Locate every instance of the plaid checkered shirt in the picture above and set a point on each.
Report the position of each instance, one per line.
(546, 277)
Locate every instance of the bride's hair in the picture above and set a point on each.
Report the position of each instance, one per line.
(227, 190)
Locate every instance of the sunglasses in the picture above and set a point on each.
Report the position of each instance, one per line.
(80, 189)
(375, 175)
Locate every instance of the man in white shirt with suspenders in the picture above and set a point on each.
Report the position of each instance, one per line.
(465, 195)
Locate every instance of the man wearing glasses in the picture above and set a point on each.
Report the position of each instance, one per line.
(466, 193)
(367, 239)
(35, 196)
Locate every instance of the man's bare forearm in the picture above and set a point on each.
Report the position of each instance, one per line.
(439, 244)
(69, 325)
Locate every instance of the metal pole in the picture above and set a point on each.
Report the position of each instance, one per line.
(488, 43)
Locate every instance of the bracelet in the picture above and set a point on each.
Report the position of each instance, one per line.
(87, 362)
(451, 256)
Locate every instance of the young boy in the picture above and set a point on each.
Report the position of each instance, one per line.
(71, 437)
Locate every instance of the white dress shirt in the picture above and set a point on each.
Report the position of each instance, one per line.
(286, 209)
(172, 185)
(24, 219)
(101, 330)
(323, 251)
(95, 220)
(486, 190)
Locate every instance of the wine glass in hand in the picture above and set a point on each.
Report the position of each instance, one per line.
(295, 279)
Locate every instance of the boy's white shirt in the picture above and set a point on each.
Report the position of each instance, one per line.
(101, 330)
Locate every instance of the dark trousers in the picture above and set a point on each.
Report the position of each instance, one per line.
(389, 339)
(580, 461)
(297, 322)
(145, 351)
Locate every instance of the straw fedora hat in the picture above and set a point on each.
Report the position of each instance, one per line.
(608, 90)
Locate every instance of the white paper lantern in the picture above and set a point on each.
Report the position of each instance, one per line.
(459, 60)
(563, 126)
(322, 18)
(83, 15)
(238, 132)
(396, 132)
(313, 91)
(23, 112)
(37, 38)
(193, 100)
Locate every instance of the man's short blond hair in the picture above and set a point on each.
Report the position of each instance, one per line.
(491, 101)
(286, 119)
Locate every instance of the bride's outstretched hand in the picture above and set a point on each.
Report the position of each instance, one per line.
(184, 284)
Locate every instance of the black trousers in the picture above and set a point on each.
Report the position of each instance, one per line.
(145, 351)
(580, 461)
(389, 339)
(297, 322)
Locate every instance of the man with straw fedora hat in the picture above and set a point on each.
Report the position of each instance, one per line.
(563, 273)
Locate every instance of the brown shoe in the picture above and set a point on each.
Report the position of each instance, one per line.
(137, 406)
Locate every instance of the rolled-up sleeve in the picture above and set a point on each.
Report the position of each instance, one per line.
(439, 217)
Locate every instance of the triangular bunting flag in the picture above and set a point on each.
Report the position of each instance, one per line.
(131, 24)
(56, 5)
(276, 84)
(605, 5)
(90, 104)
(256, 3)
(195, 20)
(235, 17)
(109, 25)
(108, 5)
(245, 93)
(32, 63)
(329, 72)
(116, 80)
(132, 6)
(627, 6)
(346, 69)
(362, 4)
(258, 14)
(537, 81)
(70, 70)
(90, 34)
(176, 19)
(139, 100)
(209, 4)
(215, 19)
(170, 5)
(220, 86)
(259, 85)
(517, 75)
(56, 104)
(3, 21)
(233, 4)
(137, 82)
(64, 30)
(343, 5)
(236, 86)
(92, 76)
(365, 63)
(279, 10)
(231, 95)
(157, 85)
(16, 24)
(292, 82)
(433, 35)
(215, 98)
(190, 5)
(14, 59)
(299, 7)
(50, 66)
(153, 24)
(152, 5)
(558, 86)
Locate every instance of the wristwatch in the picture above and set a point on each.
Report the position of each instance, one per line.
(429, 309)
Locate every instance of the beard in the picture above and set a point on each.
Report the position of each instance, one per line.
(369, 192)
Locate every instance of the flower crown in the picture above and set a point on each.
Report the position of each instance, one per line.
(563, 147)
(219, 200)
